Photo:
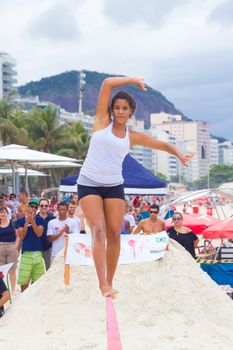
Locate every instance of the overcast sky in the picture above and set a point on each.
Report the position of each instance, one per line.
(183, 48)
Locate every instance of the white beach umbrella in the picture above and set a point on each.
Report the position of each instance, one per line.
(22, 155)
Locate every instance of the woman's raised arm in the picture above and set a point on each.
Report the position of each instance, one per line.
(102, 109)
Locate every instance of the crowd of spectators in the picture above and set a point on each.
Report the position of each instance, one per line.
(33, 231)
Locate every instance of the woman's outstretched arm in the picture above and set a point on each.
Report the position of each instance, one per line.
(138, 138)
(102, 109)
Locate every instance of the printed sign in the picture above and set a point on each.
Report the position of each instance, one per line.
(134, 248)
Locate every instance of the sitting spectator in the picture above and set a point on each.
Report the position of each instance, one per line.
(8, 244)
(129, 218)
(30, 230)
(183, 235)
(59, 227)
(4, 295)
(144, 211)
(152, 224)
(125, 228)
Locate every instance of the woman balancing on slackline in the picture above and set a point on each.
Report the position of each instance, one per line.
(100, 183)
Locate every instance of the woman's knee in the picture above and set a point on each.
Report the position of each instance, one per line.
(98, 231)
(114, 235)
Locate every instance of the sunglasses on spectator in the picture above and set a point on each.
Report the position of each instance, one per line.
(153, 211)
(44, 205)
(33, 206)
(176, 219)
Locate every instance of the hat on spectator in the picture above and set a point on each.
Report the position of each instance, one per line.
(34, 201)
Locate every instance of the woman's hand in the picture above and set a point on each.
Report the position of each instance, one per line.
(185, 158)
(141, 84)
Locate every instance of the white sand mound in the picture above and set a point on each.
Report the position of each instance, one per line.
(167, 304)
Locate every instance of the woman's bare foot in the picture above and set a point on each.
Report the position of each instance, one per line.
(107, 291)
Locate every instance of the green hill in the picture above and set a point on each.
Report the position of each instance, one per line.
(63, 90)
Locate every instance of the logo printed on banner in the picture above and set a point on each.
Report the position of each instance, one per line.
(134, 248)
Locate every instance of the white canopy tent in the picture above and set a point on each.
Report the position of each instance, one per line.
(21, 172)
(18, 155)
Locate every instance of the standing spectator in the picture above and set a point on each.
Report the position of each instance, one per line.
(183, 234)
(8, 245)
(21, 210)
(71, 211)
(30, 229)
(79, 213)
(129, 217)
(8, 202)
(152, 224)
(46, 216)
(3, 204)
(4, 295)
(59, 227)
(24, 199)
(15, 201)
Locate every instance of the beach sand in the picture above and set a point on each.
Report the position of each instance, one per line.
(167, 304)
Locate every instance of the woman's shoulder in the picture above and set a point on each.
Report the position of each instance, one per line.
(186, 229)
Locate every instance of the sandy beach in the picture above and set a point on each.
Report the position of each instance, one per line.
(167, 304)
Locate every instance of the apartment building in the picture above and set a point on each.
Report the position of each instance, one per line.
(7, 75)
(196, 136)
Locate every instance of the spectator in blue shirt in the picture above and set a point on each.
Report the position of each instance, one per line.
(30, 229)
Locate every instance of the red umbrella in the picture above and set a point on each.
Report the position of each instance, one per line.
(196, 222)
(223, 229)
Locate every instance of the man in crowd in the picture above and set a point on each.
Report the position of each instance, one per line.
(23, 198)
(59, 227)
(151, 224)
(46, 245)
(71, 211)
(79, 214)
(4, 295)
(15, 201)
(30, 229)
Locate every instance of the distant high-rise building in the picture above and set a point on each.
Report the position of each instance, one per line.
(7, 75)
(196, 136)
(214, 152)
(226, 153)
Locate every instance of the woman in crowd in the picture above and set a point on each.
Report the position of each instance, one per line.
(100, 183)
(183, 234)
(4, 295)
(8, 244)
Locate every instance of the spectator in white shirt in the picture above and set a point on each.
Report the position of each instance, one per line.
(59, 227)
(129, 217)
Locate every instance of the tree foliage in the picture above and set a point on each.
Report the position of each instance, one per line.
(39, 129)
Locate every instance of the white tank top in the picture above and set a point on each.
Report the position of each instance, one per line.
(103, 164)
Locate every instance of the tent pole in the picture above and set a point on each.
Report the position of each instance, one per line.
(13, 175)
(26, 178)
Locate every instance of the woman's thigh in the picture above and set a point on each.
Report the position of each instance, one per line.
(93, 209)
(114, 209)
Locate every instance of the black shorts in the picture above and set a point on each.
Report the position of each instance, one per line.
(103, 192)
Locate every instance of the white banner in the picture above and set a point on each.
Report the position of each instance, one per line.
(134, 248)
